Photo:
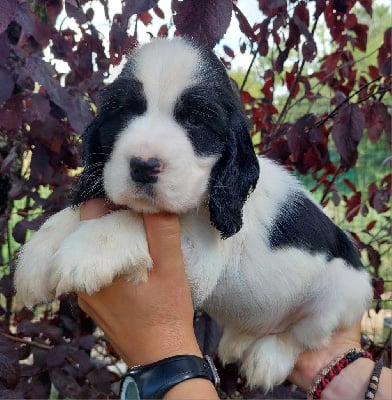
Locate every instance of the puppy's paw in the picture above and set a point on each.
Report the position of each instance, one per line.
(98, 251)
(269, 361)
(233, 345)
(35, 258)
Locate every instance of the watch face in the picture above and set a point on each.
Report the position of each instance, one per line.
(129, 389)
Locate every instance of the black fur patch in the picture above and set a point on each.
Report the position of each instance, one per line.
(202, 116)
(119, 102)
(300, 223)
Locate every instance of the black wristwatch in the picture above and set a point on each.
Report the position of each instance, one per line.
(152, 381)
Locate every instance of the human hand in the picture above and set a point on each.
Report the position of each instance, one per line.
(152, 320)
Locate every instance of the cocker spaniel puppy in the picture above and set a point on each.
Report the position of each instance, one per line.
(171, 135)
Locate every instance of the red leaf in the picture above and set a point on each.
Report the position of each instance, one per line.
(370, 225)
(158, 12)
(320, 7)
(282, 57)
(131, 7)
(378, 198)
(273, 7)
(145, 17)
(367, 5)
(361, 36)
(373, 72)
(301, 14)
(9, 369)
(56, 356)
(228, 51)
(246, 97)
(6, 84)
(298, 138)
(347, 131)
(244, 24)
(376, 119)
(374, 256)
(33, 26)
(90, 14)
(350, 184)
(11, 114)
(378, 286)
(77, 109)
(163, 31)
(205, 20)
(8, 8)
(309, 50)
(386, 67)
(342, 5)
(353, 205)
(388, 38)
(290, 79)
(351, 21)
(37, 107)
(74, 10)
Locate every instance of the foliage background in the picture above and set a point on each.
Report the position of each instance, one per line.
(318, 94)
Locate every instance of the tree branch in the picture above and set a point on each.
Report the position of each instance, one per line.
(346, 100)
(289, 99)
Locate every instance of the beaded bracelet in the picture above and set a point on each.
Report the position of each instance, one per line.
(325, 376)
(373, 384)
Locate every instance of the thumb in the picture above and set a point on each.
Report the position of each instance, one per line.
(164, 240)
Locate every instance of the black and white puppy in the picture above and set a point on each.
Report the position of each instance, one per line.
(171, 135)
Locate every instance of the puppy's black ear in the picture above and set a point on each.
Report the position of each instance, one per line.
(233, 177)
(90, 182)
(99, 136)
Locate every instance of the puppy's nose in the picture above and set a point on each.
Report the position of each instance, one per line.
(145, 171)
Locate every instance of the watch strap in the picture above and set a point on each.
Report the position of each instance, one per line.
(155, 380)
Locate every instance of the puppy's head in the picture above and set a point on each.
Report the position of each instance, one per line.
(170, 135)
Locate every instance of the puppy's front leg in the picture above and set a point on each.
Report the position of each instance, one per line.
(99, 250)
(35, 257)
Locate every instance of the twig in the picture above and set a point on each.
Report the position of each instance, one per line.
(289, 99)
(328, 188)
(250, 66)
(25, 341)
(346, 100)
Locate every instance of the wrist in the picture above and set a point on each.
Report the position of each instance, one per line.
(351, 383)
(157, 346)
(167, 378)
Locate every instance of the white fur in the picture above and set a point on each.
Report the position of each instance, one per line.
(251, 289)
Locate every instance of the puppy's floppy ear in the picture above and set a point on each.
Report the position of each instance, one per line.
(99, 136)
(233, 177)
(90, 182)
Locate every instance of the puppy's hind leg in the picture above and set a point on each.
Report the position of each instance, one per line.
(34, 261)
(270, 360)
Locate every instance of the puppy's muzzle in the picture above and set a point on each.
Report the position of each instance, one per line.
(145, 171)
